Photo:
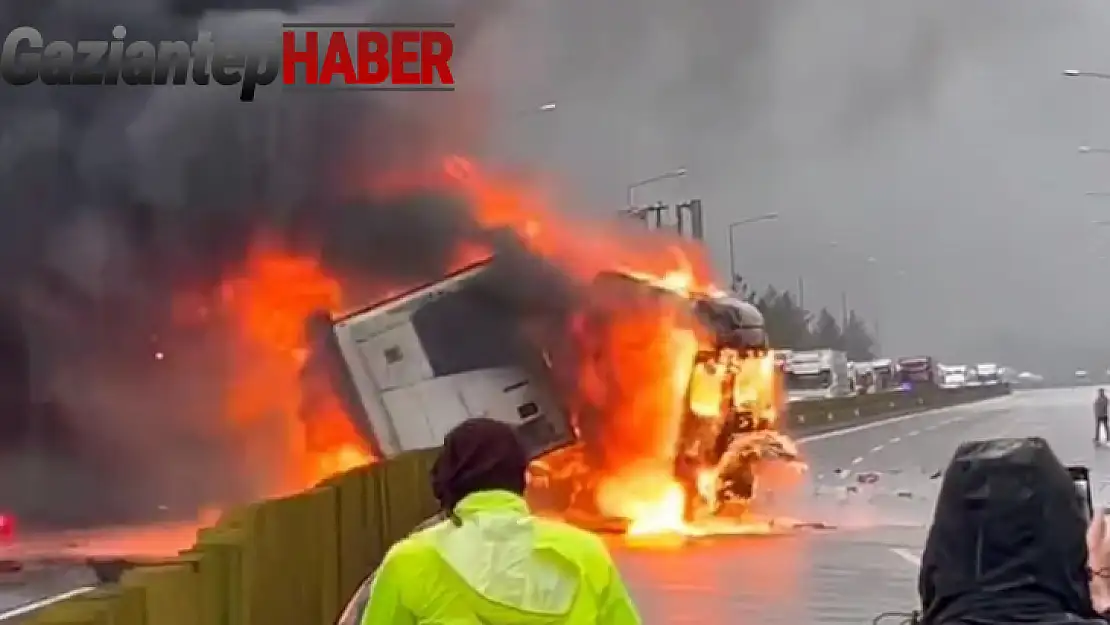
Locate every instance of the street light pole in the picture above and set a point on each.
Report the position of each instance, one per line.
(546, 107)
(1086, 149)
(732, 241)
(516, 120)
(674, 173)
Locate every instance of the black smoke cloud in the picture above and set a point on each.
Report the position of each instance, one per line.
(116, 197)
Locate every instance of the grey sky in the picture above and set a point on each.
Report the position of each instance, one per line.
(937, 137)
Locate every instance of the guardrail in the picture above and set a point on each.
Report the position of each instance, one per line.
(290, 561)
(297, 560)
(811, 417)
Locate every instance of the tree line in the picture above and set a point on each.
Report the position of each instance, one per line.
(791, 326)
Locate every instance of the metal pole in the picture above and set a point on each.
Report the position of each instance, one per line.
(675, 173)
(732, 238)
(878, 334)
(732, 258)
(844, 309)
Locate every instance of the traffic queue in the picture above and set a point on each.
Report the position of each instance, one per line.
(827, 373)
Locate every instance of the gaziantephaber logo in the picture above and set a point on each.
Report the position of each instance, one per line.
(306, 55)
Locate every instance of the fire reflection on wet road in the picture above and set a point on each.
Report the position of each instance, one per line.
(868, 565)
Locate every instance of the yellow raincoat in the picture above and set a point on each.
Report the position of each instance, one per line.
(502, 566)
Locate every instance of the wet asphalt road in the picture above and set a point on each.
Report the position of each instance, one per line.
(868, 565)
(30, 588)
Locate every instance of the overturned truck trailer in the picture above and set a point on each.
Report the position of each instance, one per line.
(411, 368)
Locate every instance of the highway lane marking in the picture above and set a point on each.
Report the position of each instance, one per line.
(906, 555)
(27, 608)
(877, 449)
(857, 460)
(874, 424)
(914, 433)
(896, 439)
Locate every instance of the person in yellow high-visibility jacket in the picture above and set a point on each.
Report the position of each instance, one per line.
(491, 562)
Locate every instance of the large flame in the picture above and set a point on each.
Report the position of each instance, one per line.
(639, 393)
(269, 303)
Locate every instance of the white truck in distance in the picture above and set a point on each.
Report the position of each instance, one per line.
(953, 376)
(884, 371)
(988, 374)
(864, 377)
(818, 374)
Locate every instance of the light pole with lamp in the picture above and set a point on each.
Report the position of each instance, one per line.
(872, 264)
(546, 107)
(732, 241)
(517, 119)
(674, 173)
(1075, 73)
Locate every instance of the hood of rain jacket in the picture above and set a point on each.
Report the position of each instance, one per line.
(1007, 544)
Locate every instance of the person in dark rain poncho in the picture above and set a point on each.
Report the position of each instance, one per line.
(1007, 544)
(490, 561)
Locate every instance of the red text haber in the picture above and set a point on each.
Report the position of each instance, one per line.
(363, 57)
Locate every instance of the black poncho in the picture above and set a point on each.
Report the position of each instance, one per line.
(1008, 542)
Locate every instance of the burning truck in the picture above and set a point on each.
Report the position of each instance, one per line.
(411, 368)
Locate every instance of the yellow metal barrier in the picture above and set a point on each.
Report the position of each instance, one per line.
(290, 561)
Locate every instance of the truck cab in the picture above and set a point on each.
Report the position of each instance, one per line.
(988, 374)
(916, 372)
(884, 371)
(818, 374)
(954, 376)
(864, 378)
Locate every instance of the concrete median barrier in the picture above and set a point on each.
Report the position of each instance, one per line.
(814, 417)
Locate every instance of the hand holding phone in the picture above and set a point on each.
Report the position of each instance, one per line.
(1081, 478)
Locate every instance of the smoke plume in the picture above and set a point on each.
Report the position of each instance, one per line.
(118, 198)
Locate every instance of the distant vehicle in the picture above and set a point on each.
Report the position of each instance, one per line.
(1081, 375)
(988, 374)
(7, 528)
(953, 376)
(917, 371)
(1028, 378)
(818, 374)
(973, 377)
(782, 359)
(863, 374)
(884, 372)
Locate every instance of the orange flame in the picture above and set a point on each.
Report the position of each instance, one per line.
(269, 303)
(640, 388)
